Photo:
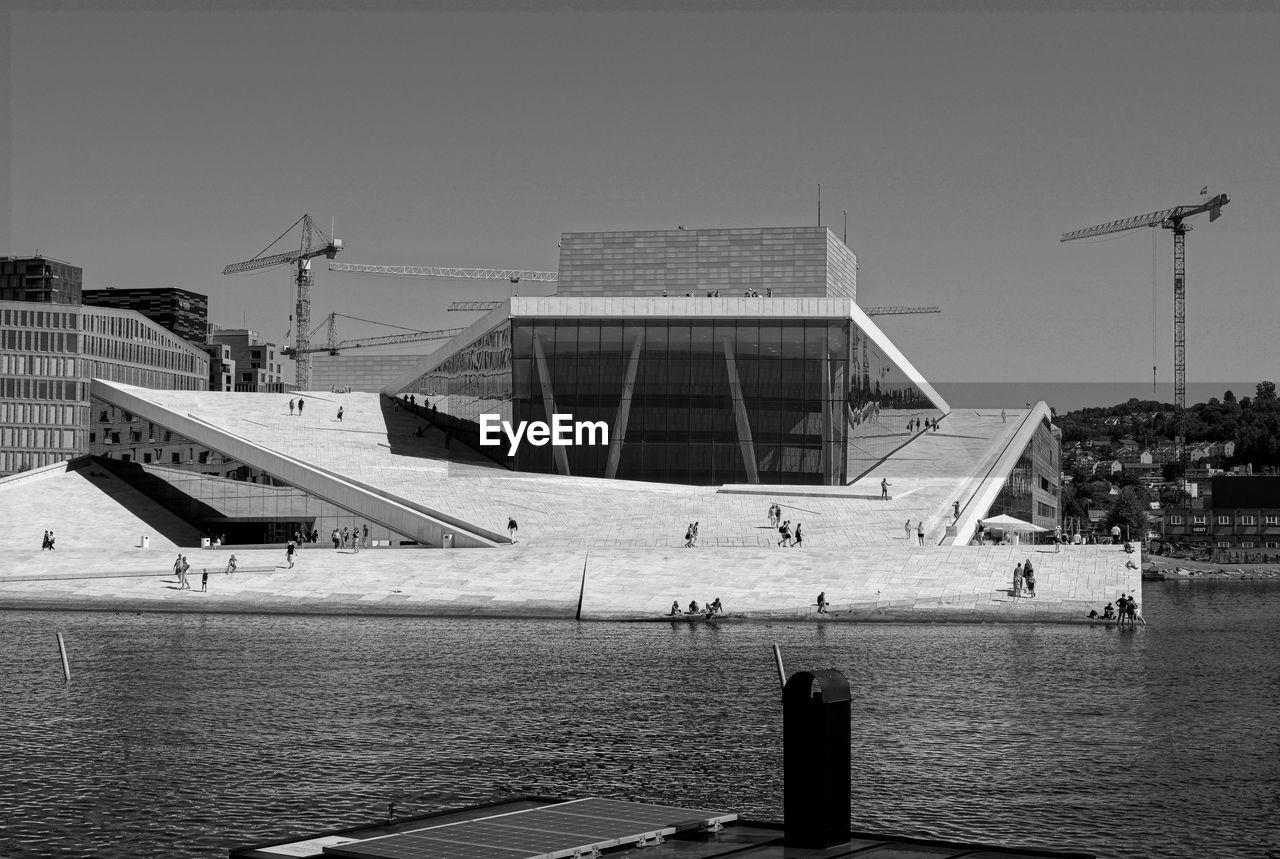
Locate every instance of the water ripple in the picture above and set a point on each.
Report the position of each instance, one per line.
(183, 735)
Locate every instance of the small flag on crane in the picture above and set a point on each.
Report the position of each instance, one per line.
(1204, 190)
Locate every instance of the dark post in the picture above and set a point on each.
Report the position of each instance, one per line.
(815, 759)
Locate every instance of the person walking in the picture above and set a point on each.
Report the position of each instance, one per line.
(908, 530)
(688, 536)
(291, 408)
(1003, 416)
(289, 551)
(44, 542)
(785, 531)
(884, 488)
(773, 518)
(339, 414)
(365, 534)
(346, 536)
(182, 574)
(955, 510)
(335, 538)
(51, 539)
(798, 537)
(1017, 581)
(177, 570)
(920, 531)
(1029, 576)
(695, 535)
(299, 406)
(204, 580)
(822, 603)
(512, 528)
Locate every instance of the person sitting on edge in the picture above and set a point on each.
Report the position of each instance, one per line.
(693, 606)
(675, 608)
(715, 607)
(1109, 612)
(822, 603)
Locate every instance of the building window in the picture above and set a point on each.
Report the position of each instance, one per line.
(146, 457)
(1246, 544)
(175, 458)
(1246, 519)
(1272, 544)
(93, 436)
(1175, 520)
(1272, 520)
(1223, 544)
(1224, 520)
(1199, 519)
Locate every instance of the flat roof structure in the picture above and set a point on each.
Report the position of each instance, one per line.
(537, 828)
(586, 548)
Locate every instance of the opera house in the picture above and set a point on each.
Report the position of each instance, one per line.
(676, 377)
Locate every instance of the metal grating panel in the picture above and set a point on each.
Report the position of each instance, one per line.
(550, 832)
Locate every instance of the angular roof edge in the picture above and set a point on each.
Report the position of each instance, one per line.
(895, 354)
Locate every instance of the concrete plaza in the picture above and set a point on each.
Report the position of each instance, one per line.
(588, 548)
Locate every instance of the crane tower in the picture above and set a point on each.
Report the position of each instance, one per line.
(1174, 220)
(314, 243)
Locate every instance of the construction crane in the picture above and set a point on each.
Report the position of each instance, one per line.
(1175, 220)
(473, 306)
(314, 243)
(335, 346)
(898, 311)
(511, 274)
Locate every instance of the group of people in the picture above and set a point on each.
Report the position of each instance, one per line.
(712, 609)
(298, 403)
(352, 537)
(181, 567)
(691, 535)
(914, 425)
(47, 542)
(1024, 579)
(787, 536)
(1125, 610)
(919, 531)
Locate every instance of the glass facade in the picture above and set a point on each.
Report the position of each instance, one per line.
(219, 496)
(692, 401)
(1032, 491)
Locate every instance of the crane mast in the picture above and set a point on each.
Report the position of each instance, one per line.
(1173, 220)
(314, 243)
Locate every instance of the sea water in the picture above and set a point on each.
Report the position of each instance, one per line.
(186, 734)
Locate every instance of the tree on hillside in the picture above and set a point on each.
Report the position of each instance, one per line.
(1266, 391)
(1130, 513)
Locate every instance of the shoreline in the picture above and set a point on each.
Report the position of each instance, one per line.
(1157, 568)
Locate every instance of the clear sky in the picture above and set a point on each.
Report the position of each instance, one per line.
(152, 144)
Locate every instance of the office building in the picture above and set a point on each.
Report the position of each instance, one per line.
(40, 279)
(48, 355)
(257, 362)
(182, 311)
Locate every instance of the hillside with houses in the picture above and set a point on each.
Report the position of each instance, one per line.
(1121, 465)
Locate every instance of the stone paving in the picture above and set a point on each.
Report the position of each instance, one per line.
(928, 473)
(614, 545)
(895, 583)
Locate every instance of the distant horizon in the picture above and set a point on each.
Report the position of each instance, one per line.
(1070, 396)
